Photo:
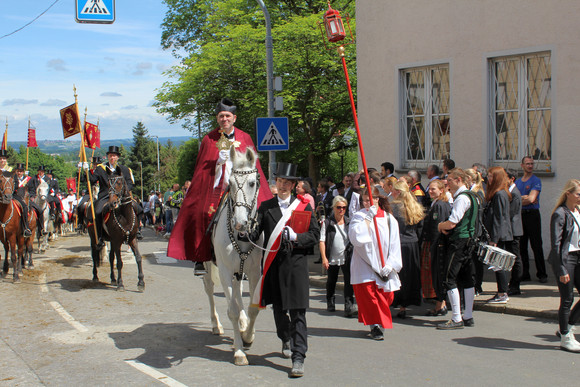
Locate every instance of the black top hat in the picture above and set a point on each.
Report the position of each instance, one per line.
(97, 159)
(287, 171)
(225, 105)
(41, 168)
(49, 171)
(114, 149)
(20, 166)
(3, 153)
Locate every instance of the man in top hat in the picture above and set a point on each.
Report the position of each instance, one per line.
(4, 161)
(20, 182)
(284, 282)
(53, 194)
(32, 185)
(189, 240)
(101, 175)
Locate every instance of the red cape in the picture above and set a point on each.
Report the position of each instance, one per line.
(188, 238)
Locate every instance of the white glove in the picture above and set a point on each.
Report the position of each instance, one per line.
(224, 156)
(85, 165)
(80, 164)
(372, 212)
(291, 234)
(385, 271)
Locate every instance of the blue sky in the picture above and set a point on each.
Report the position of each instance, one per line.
(116, 68)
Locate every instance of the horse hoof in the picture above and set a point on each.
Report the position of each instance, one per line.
(241, 360)
(30, 267)
(246, 344)
(16, 280)
(141, 288)
(218, 331)
(113, 282)
(120, 288)
(95, 279)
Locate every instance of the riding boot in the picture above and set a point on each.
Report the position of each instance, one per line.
(101, 242)
(24, 222)
(139, 235)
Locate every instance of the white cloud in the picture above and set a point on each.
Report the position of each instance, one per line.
(56, 64)
(19, 101)
(111, 94)
(53, 102)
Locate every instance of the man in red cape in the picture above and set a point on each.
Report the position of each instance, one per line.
(189, 240)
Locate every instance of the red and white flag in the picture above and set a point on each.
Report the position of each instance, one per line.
(32, 138)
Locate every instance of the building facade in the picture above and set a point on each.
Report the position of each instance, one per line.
(475, 81)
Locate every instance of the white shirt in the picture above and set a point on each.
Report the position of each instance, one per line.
(366, 260)
(460, 205)
(575, 239)
(354, 205)
(338, 246)
(284, 204)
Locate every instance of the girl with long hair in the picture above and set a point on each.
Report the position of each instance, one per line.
(565, 260)
(497, 221)
(409, 214)
(475, 184)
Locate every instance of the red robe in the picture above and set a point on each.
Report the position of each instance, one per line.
(188, 237)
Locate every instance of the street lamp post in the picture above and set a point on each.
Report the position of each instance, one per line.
(141, 167)
(158, 182)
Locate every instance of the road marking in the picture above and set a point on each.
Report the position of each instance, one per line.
(67, 317)
(42, 280)
(155, 374)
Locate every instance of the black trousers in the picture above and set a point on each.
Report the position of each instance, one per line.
(459, 269)
(332, 278)
(565, 315)
(502, 276)
(514, 248)
(532, 223)
(291, 326)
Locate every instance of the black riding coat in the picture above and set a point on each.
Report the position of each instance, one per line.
(103, 172)
(34, 182)
(286, 283)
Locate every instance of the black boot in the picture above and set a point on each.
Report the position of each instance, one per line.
(330, 306)
(100, 241)
(350, 308)
(139, 235)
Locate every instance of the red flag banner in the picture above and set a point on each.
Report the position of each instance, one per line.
(31, 138)
(71, 184)
(5, 140)
(71, 124)
(92, 136)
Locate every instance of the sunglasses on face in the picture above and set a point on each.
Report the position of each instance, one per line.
(340, 207)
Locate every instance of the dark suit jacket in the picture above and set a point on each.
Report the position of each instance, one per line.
(561, 227)
(327, 202)
(497, 218)
(102, 174)
(286, 283)
(516, 213)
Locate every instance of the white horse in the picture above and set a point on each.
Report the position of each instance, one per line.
(41, 200)
(235, 257)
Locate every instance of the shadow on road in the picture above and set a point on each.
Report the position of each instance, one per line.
(500, 344)
(167, 345)
(76, 284)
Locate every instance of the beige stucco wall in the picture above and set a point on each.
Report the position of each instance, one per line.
(396, 34)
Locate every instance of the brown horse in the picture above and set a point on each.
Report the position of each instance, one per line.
(10, 228)
(120, 225)
(28, 242)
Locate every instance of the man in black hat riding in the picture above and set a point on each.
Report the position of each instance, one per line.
(287, 222)
(101, 175)
(53, 191)
(4, 161)
(20, 182)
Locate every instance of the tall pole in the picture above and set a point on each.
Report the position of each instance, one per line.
(158, 182)
(141, 165)
(341, 51)
(269, 81)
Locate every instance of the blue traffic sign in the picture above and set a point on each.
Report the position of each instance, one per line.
(95, 11)
(272, 133)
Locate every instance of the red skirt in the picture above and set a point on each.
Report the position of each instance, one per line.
(373, 304)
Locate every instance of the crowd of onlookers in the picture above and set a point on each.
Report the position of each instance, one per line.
(161, 211)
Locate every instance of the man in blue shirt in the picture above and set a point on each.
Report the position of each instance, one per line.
(530, 187)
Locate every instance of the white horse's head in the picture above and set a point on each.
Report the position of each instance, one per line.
(244, 186)
(42, 191)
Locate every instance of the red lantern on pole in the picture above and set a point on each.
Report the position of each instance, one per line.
(335, 33)
(333, 25)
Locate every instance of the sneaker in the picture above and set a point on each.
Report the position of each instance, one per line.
(451, 325)
(568, 342)
(497, 299)
(570, 328)
(376, 333)
(286, 351)
(469, 322)
(167, 235)
(297, 369)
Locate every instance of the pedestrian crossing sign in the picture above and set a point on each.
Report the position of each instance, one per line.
(272, 134)
(95, 11)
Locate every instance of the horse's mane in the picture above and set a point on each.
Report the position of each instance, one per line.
(245, 159)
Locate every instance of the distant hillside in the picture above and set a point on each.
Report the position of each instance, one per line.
(62, 147)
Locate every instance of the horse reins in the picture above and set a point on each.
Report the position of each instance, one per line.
(128, 200)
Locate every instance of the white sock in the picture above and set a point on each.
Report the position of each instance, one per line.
(469, 295)
(453, 295)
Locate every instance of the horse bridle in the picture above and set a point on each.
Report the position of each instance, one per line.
(7, 183)
(124, 200)
(233, 196)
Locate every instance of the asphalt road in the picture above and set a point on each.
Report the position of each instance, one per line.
(58, 328)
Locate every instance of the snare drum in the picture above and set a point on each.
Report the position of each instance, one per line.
(494, 256)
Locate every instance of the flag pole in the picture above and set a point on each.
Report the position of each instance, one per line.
(84, 159)
(27, 143)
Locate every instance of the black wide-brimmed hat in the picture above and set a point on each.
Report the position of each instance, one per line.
(20, 166)
(97, 159)
(287, 171)
(41, 168)
(114, 149)
(225, 105)
(3, 153)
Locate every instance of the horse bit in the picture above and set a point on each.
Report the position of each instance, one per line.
(239, 185)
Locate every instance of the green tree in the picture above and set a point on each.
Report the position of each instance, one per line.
(186, 160)
(223, 41)
(143, 154)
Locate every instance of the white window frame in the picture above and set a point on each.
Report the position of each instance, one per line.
(522, 88)
(428, 114)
